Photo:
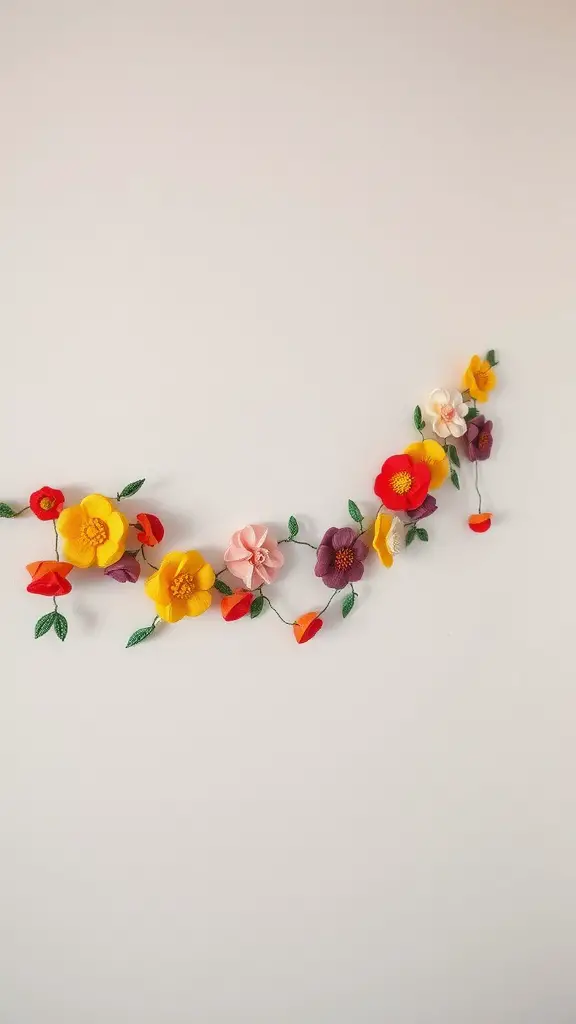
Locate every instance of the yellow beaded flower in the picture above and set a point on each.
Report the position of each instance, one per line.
(94, 532)
(181, 586)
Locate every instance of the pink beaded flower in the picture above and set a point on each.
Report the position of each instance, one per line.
(253, 556)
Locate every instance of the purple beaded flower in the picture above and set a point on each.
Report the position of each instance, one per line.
(479, 439)
(340, 559)
(125, 570)
(428, 506)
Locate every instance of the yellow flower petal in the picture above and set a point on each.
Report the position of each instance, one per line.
(117, 526)
(198, 603)
(192, 562)
(81, 555)
(434, 456)
(96, 506)
(156, 588)
(381, 528)
(108, 552)
(204, 578)
(70, 521)
(172, 612)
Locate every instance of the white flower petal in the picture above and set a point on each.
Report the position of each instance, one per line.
(457, 427)
(395, 537)
(436, 400)
(455, 398)
(462, 409)
(440, 427)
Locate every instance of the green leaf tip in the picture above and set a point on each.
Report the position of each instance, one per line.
(44, 624)
(223, 588)
(421, 533)
(491, 358)
(130, 489)
(410, 535)
(6, 512)
(293, 527)
(455, 479)
(60, 626)
(348, 604)
(140, 635)
(256, 606)
(453, 454)
(353, 511)
(419, 421)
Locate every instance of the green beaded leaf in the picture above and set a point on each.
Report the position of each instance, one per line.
(256, 606)
(5, 511)
(223, 588)
(293, 526)
(421, 533)
(471, 414)
(140, 635)
(348, 604)
(410, 536)
(354, 511)
(60, 626)
(453, 454)
(129, 490)
(44, 624)
(418, 418)
(455, 479)
(491, 357)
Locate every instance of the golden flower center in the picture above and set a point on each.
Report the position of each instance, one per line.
(401, 482)
(483, 440)
(47, 503)
(481, 379)
(447, 412)
(182, 586)
(94, 532)
(344, 559)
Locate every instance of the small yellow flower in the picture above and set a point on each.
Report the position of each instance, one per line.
(388, 538)
(94, 532)
(181, 586)
(479, 379)
(434, 456)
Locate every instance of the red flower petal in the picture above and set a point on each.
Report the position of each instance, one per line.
(46, 503)
(51, 584)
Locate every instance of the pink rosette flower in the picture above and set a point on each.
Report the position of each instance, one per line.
(253, 556)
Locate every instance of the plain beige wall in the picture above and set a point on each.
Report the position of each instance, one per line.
(239, 241)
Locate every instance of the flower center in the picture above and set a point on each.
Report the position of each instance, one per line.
(344, 559)
(401, 482)
(447, 412)
(484, 440)
(182, 585)
(481, 379)
(47, 503)
(257, 557)
(94, 532)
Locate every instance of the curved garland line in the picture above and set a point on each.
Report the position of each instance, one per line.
(95, 532)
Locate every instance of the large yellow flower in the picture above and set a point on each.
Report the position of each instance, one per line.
(94, 532)
(479, 379)
(435, 458)
(181, 586)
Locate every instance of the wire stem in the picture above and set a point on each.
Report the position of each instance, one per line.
(285, 621)
(155, 567)
(476, 469)
(56, 540)
(326, 606)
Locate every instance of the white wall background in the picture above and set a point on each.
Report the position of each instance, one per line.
(239, 242)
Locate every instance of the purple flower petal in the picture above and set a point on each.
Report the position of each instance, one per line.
(344, 538)
(360, 550)
(324, 559)
(337, 579)
(125, 570)
(355, 572)
(327, 538)
(428, 506)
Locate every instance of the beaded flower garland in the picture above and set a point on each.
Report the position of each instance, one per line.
(95, 533)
